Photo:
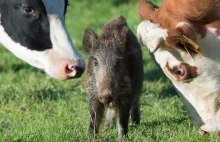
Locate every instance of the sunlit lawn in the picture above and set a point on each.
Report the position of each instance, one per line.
(34, 107)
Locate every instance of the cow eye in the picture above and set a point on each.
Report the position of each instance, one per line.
(181, 72)
(28, 10)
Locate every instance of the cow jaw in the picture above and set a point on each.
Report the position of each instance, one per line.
(201, 93)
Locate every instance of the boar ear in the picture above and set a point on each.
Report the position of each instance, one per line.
(124, 34)
(89, 39)
(146, 9)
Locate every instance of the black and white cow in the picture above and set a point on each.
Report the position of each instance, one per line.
(34, 31)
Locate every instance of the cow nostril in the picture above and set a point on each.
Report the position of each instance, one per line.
(68, 69)
(71, 67)
(73, 71)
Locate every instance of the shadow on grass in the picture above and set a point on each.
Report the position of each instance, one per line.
(4, 126)
(120, 2)
(15, 67)
(50, 94)
(161, 123)
(157, 75)
(167, 121)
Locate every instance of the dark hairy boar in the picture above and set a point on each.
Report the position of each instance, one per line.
(114, 75)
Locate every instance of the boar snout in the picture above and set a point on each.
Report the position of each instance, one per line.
(105, 97)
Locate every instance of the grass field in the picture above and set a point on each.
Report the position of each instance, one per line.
(36, 108)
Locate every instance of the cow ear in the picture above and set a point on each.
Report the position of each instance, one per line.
(89, 39)
(183, 42)
(184, 37)
(146, 8)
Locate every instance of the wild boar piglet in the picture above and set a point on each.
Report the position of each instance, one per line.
(114, 75)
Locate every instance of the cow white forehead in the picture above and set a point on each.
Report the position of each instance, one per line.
(151, 35)
(54, 7)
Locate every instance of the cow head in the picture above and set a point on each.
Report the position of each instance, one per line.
(34, 30)
(186, 45)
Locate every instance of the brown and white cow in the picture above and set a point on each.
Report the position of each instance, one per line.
(184, 36)
(34, 31)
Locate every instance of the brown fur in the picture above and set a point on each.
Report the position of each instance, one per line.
(215, 24)
(199, 14)
(114, 75)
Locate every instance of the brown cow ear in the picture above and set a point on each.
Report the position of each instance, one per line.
(184, 37)
(89, 39)
(146, 8)
(183, 42)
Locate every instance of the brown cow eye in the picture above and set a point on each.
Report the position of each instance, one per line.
(181, 72)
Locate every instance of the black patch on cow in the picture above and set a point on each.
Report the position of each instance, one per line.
(30, 30)
(66, 4)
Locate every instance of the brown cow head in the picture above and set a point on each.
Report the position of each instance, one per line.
(184, 38)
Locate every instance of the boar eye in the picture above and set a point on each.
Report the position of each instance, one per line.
(118, 65)
(119, 62)
(95, 62)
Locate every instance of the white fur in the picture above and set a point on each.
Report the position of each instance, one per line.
(201, 95)
(59, 35)
(31, 57)
(151, 35)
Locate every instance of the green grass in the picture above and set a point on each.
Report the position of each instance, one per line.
(36, 108)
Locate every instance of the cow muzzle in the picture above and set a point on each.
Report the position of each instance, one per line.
(66, 69)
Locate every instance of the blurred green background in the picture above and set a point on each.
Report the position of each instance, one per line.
(35, 107)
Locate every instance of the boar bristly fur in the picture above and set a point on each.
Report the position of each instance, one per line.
(114, 75)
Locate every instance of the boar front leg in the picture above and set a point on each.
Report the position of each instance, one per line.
(124, 110)
(135, 112)
(111, 117)
(96, 114)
